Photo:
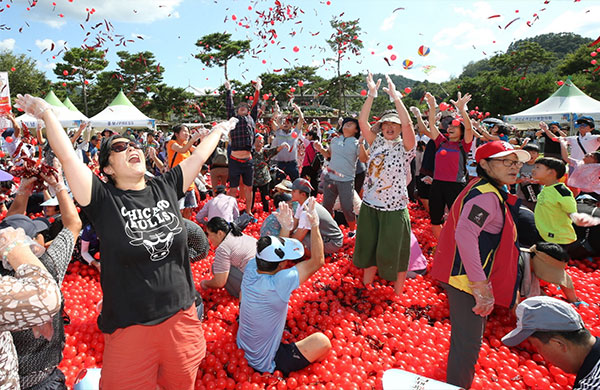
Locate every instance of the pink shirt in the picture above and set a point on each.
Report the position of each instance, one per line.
(234, 251)
(482, 213)
(449, 160)
(222, 205)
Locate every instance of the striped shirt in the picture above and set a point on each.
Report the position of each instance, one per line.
(234, 252)
(588, 376)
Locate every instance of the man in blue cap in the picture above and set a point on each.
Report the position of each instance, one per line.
(584, 142)
(557, 332)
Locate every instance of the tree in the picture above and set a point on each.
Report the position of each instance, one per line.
(217, 49)
(579, 60)
(343, 41)
(168, 100)
(25, 78)
(81, 66)
(560, 44)
(522, 58)
(139, 74)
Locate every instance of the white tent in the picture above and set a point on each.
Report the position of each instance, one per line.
(564, 105)
(121, 113)
(67, 118)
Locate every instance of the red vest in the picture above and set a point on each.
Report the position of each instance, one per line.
(499, 252)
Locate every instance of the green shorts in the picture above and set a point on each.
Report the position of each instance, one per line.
(383, 240)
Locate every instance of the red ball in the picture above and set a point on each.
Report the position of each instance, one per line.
(300, 83)
(390, 47)
(296, 49)
(9, 139)
(407, 90)
(66, 72)
(363, 92)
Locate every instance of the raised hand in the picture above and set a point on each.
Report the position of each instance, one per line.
(32, 105)
(311, 212)
(258, 84)
(227, 85)
(416, 112)
(430, 99)
(391, 89)
(461, 102)
(372, 86)
(285, 216)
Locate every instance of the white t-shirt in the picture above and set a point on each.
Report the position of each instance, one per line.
(589, 142)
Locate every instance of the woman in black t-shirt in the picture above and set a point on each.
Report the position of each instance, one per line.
(153, 336)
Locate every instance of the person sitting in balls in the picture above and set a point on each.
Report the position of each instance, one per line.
(333, 237)
(147, 284)
(557, 332)
(477, 256)
(266, 289)
(233, 251)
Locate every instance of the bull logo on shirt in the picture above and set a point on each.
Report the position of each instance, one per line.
(152, 227)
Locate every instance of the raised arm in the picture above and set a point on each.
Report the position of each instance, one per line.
(317, 257)
(78, 174)
(461, 106)
(365, 112)
(229, 100)
(15, 124)
(420, 124)
(254, 109)
(188, 145)
(192, 165)
(68, 212)
(300, 123)
(19, 204)
(408, 132)
(433, 130)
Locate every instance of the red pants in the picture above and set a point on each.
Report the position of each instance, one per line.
(164, 356)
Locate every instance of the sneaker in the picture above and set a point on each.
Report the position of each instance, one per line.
(351, 234)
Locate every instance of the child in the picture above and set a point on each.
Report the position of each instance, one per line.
(555, 204)
(528, 189)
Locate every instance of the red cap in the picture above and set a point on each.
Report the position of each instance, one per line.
(497, 149)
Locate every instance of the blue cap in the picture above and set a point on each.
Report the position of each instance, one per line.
(585, 120)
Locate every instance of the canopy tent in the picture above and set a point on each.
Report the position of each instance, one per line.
(564, 105)
(121, 113)
(66, 117)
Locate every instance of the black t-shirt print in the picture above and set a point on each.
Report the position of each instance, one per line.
(146, 275)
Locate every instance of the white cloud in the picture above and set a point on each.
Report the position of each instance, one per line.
(7, 44)
(388, 23)
(463, 36)
(47, 44)
(577, 21)
(478, 11)
(50, 65)
(131, 11)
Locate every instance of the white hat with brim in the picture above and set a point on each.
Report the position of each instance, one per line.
(285, 185)
(389, 117)
(281, 249)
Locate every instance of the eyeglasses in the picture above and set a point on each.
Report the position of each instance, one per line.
(120, 146)
(509, 163)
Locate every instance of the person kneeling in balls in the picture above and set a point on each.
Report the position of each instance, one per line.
(266, 289)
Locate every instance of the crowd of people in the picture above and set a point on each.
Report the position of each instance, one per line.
(507, 213)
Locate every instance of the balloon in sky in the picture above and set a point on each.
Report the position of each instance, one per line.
(423, 50)
(407, 64)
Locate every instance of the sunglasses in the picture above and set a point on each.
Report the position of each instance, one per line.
(121, 146)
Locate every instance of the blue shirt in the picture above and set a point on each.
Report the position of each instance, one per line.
(263, 312)
(344, 155)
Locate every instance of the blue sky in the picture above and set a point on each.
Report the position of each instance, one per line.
(456, 32)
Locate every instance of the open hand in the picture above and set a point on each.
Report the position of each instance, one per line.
(311, 212)
(32, 105)
(372, 86)
(461, 102)
(284, 216)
